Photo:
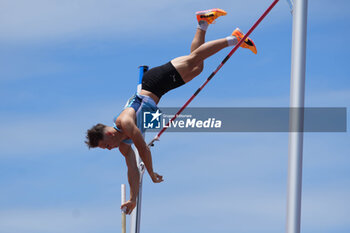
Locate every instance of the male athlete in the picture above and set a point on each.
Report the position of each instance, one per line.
(156, 82)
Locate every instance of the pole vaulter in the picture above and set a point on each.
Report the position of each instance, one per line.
(127, 127)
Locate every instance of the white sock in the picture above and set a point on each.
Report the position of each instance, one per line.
(203, 25)
(231, 40)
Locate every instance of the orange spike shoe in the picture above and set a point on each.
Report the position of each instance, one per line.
(210, 15)
(248, 43)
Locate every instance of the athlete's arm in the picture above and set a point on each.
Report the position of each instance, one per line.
(131, 130)
(133, 176)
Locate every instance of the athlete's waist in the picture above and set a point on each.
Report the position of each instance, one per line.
(148, 94)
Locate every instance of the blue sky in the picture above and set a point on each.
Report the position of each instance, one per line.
(66, 65)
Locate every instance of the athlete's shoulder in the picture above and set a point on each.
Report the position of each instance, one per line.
(126, 114)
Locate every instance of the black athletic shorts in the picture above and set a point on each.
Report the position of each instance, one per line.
(161, 79)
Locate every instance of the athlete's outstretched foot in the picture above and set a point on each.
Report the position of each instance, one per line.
(248, 43)
(210, 15)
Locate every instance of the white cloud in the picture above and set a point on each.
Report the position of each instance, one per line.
(326, 209)
(47, 20)
(14, 66)
(61, 130)
(325, 10)
(228, 208)
(41, 20)
(250, 209)
(329, 98)
(57, 220)
(65, 128)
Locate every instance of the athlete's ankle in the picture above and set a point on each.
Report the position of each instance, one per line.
(231, 40)
(203, 25)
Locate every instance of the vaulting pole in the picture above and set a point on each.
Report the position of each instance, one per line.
(156, 138)
(297, 95)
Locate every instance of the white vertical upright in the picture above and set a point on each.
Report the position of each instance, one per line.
(135, 221)
(297, 95)
(136, 213)
(123, 199)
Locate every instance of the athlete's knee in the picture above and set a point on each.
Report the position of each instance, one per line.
(200, 67)
(197, 69)
(193, 61)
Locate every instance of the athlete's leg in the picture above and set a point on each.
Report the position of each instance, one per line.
(204, 18)
(198, 40)
(189, 66)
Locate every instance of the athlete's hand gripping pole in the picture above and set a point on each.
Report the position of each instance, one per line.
(151, 143)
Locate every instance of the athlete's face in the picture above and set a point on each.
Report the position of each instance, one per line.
(110, 139)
